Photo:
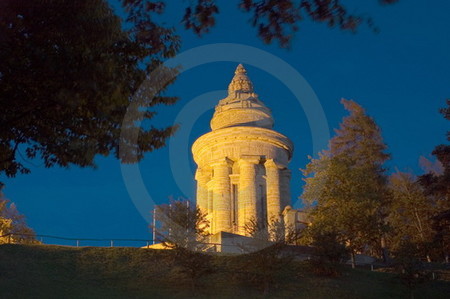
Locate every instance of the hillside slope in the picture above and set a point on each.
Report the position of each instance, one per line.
(36, 271)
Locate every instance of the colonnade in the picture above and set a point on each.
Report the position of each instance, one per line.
(260, 191)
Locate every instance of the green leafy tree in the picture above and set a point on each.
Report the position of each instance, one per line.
(69, 73)
(410, 216)
(345, 188)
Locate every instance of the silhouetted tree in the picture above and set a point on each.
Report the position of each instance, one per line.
(274, 20)
(441, 227)
(69, 73)
(437, 185)
(346, 187)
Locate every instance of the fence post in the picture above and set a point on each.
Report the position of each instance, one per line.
(112, 243)
(78, 243)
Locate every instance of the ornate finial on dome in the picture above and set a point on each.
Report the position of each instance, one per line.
(240, 82)
(240, 69)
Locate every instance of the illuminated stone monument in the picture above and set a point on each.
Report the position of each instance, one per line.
(242, 163)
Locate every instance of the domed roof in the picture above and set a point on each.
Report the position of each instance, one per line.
(241, 107)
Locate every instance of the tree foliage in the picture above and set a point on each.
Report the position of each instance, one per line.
(439, 184)
(278, 20)
(181, 225)
(410, 214)
(328, 250)
(346, 187)
(68, 74)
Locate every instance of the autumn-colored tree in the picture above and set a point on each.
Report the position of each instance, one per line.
(410, 214)
(13, 227)
(345, 188)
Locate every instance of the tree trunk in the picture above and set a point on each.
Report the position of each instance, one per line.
(352, 254)
(384, 250)
(422, 236)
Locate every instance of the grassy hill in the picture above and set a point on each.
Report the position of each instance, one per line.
(33, 271)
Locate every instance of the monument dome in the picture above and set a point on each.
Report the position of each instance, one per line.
(241, 107)
(242, 163)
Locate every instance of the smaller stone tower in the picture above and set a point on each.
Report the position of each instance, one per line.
(242, 163)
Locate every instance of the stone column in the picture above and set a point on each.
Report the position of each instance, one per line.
(273, 190)
(247, 191)
(209, 217)
(285, 177)
(221, 197)
(202, 190)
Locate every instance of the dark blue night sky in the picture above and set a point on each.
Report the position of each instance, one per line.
(401, 76)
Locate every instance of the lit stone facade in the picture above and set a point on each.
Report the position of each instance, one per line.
(242, 163)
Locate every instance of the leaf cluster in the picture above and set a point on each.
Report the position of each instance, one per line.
(411, 212)
(69, 73)
(274, 20)
(434, 184)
